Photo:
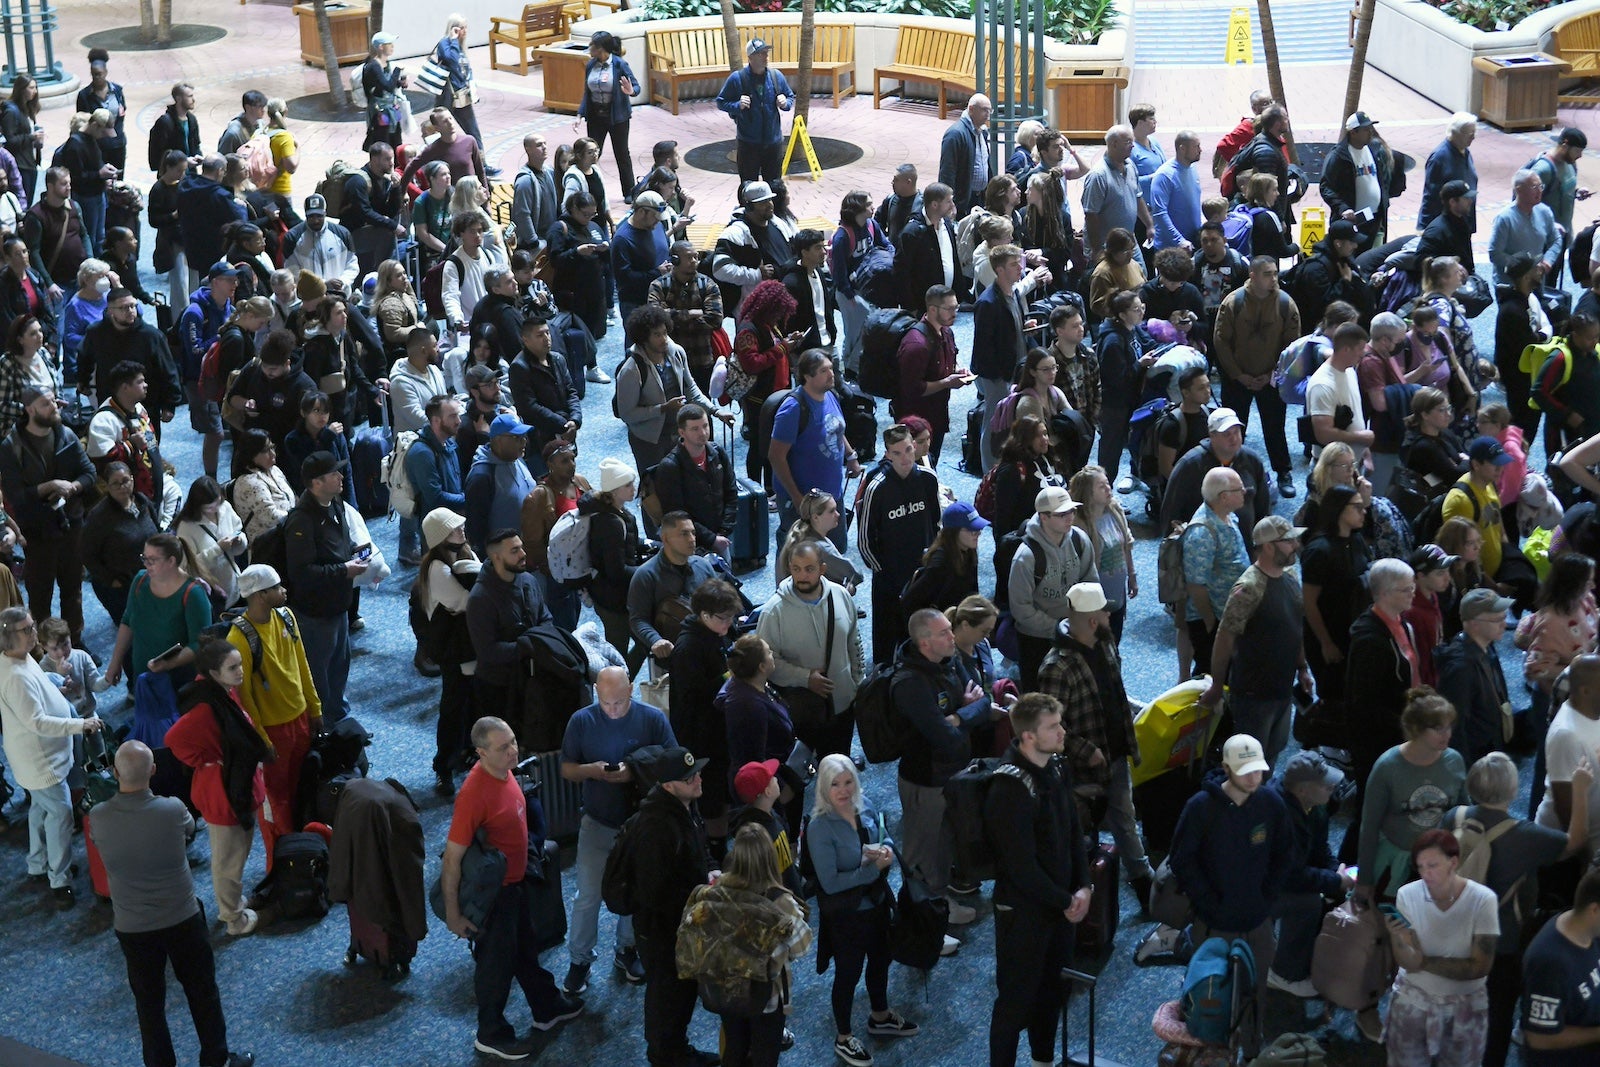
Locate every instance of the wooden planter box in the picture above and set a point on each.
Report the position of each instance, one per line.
(351, 42)
(1086, 98)
(1519, 92)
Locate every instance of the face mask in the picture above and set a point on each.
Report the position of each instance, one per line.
(102, 286)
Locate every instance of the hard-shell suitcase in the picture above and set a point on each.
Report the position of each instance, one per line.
(390, 950)
(562, 800)
(1098, 931)
(972, 442)
(752, 526)
(367, 454)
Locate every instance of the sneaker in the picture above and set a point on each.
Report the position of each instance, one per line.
(493, 172)
(1302, 989)
(509, 1049)
(787, 1042)
(1370, 1023)
(410, 561)
(852, 1051)
(597, 376)
(358, 624)
(950, 946)
(626, 961)
(566, 1008)
(241, 1059)
(960, 914)
(860, 761)
(425, 666)
(1286, 487)
(576, 981)
(1162, 941)
(892, 1025)
(962, 889)
(64, 896)
(244, 925)
(444, 784)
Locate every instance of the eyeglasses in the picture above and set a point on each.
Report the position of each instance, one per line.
(28, 629)
(147, 560)
(120, 483)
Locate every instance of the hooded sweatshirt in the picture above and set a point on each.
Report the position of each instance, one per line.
(495, 491)
(797, 632)
(1037, 606)
(1231, 859)
(924, 693)
(201, 323)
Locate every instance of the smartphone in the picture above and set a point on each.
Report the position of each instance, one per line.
(363, 553)
(613, 768)
(1393, 912)
(169, 653)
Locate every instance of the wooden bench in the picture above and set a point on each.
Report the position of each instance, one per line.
(945, 59)
(539, 24)
(833, 53)
(678, 56)
(1577, 41)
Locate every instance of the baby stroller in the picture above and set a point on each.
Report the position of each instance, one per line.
(375, 869)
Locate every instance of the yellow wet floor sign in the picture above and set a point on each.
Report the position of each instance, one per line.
(1313, 228)
(1239, 50)
(798, 133)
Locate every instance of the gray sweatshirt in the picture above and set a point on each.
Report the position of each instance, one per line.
(797, 634)
(1038, 606)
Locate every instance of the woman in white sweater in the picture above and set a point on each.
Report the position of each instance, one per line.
(210, 529)
(261, 493)
(39, 725)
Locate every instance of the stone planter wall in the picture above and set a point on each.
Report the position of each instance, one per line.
(1432, 53)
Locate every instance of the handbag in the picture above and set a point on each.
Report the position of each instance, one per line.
(332, 384)
(546, 913)
(656, 691)
(99, 781)
(433, 77)
(1352, 962)
(460, 98)
(802, 762)
(918, 922)
(1169, 905)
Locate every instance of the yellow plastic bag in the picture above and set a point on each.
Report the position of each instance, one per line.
(1536, 546)
(1173, 730)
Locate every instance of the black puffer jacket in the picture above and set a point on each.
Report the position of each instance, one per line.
(613, 552)
(710, 496)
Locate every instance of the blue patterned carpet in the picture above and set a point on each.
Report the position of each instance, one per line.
(289, 997)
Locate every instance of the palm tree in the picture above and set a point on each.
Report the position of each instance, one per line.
(330, 57)
(808, 48)
(164, 23)
(1269, 46)
(730, 30)
(1358, 61)
(375, 18)
(147, 20)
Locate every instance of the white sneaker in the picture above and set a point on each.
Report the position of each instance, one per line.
(1161, 941)
(1302, 989)
(597, 376)
(950, 946)
(244, 925)
(961, 914)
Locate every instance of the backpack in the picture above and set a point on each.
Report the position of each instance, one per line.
(617, 890)
(880, 349)
(213, 384)
(1533, 360)
(402, 495)
(983, 501)
(916, 934)
(1297, 363)
(805, 866)
(235, 617)
(258, 161)
(1006, 551)
(1218, 989)
(1237, 227)
(358, 88)
(964, 796)
(872, 269)
(433, 285)
(331, 187)
(881, 727)
(1579, 255)
(616, 374)
(967, 237)
(1426, 528)
(1005, 413)
(1477, 852)
(568, 551)
(298, 884)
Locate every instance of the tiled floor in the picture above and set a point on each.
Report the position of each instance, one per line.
(262, 48)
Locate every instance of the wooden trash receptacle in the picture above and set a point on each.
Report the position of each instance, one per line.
(347, 20)
(1087, 98)
(1519, 91)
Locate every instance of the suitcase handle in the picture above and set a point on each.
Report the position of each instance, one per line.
(1069, 979)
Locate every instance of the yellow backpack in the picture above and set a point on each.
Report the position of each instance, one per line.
(1533, 360)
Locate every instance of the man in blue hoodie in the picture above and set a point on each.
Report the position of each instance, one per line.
(431, 464)
(201, 323)
(1231, 854)
(499, 481)
(754, 96)
(205, 206)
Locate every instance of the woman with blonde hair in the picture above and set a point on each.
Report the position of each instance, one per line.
(818, 518)
(397, 306)
(1102, 518)
(1387, 532)
(285, 157)
(471, 195)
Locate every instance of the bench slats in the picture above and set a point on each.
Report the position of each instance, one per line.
(678, 56)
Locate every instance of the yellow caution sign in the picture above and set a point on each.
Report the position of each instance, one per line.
(1239, 50)
(798, 134)
(1313, 228)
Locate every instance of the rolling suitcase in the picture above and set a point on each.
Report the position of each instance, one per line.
(972, 443)
(1098, 931)
(367, 454)
(752, 522)
(561, 800)
(97, 868)
(390, 950)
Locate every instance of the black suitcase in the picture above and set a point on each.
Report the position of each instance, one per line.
(560, 800)
(972, 443)
(1098, 931)
(752, 525)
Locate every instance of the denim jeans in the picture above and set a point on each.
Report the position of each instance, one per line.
(594, 845)
(410, 549)
(564, 603)
(327, 645)
(94, 222)
(853, 311)
(50, 833)
(993, 390)
(1299, 918)
(1263, 719)
(1123, 822)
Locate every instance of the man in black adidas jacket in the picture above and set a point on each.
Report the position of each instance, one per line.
(1042, 883)
(897, 521)
(668, 858)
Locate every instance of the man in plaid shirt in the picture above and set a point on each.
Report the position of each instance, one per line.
(1084, 672)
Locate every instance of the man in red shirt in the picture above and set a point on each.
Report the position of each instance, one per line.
(504, 945)
(928, 370)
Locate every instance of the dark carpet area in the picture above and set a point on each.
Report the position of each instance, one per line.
(290, 998)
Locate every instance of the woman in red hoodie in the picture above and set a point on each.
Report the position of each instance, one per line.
(216, 737)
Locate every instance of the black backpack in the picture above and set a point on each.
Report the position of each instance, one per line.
(617, 890)
(1006, 551)
(881, 727)
(916, 938)
(881, 335)
(298, 884)
(964, 796)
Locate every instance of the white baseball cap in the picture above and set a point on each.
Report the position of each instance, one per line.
(1242, 754)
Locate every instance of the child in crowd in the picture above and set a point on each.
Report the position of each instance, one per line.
(1494, 420)
(80, 678)
(1214, 208)
(757, 787)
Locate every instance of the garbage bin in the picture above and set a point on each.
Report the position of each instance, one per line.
(1519, 92)
(1086, 99)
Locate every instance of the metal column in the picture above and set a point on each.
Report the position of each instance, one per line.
(33, 23)
(1010, 68)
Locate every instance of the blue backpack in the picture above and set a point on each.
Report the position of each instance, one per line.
(1238, 226)
(1218, 989)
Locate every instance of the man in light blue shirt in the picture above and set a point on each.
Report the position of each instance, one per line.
(1175, 196)
(1214, 555)
(1526, 225)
